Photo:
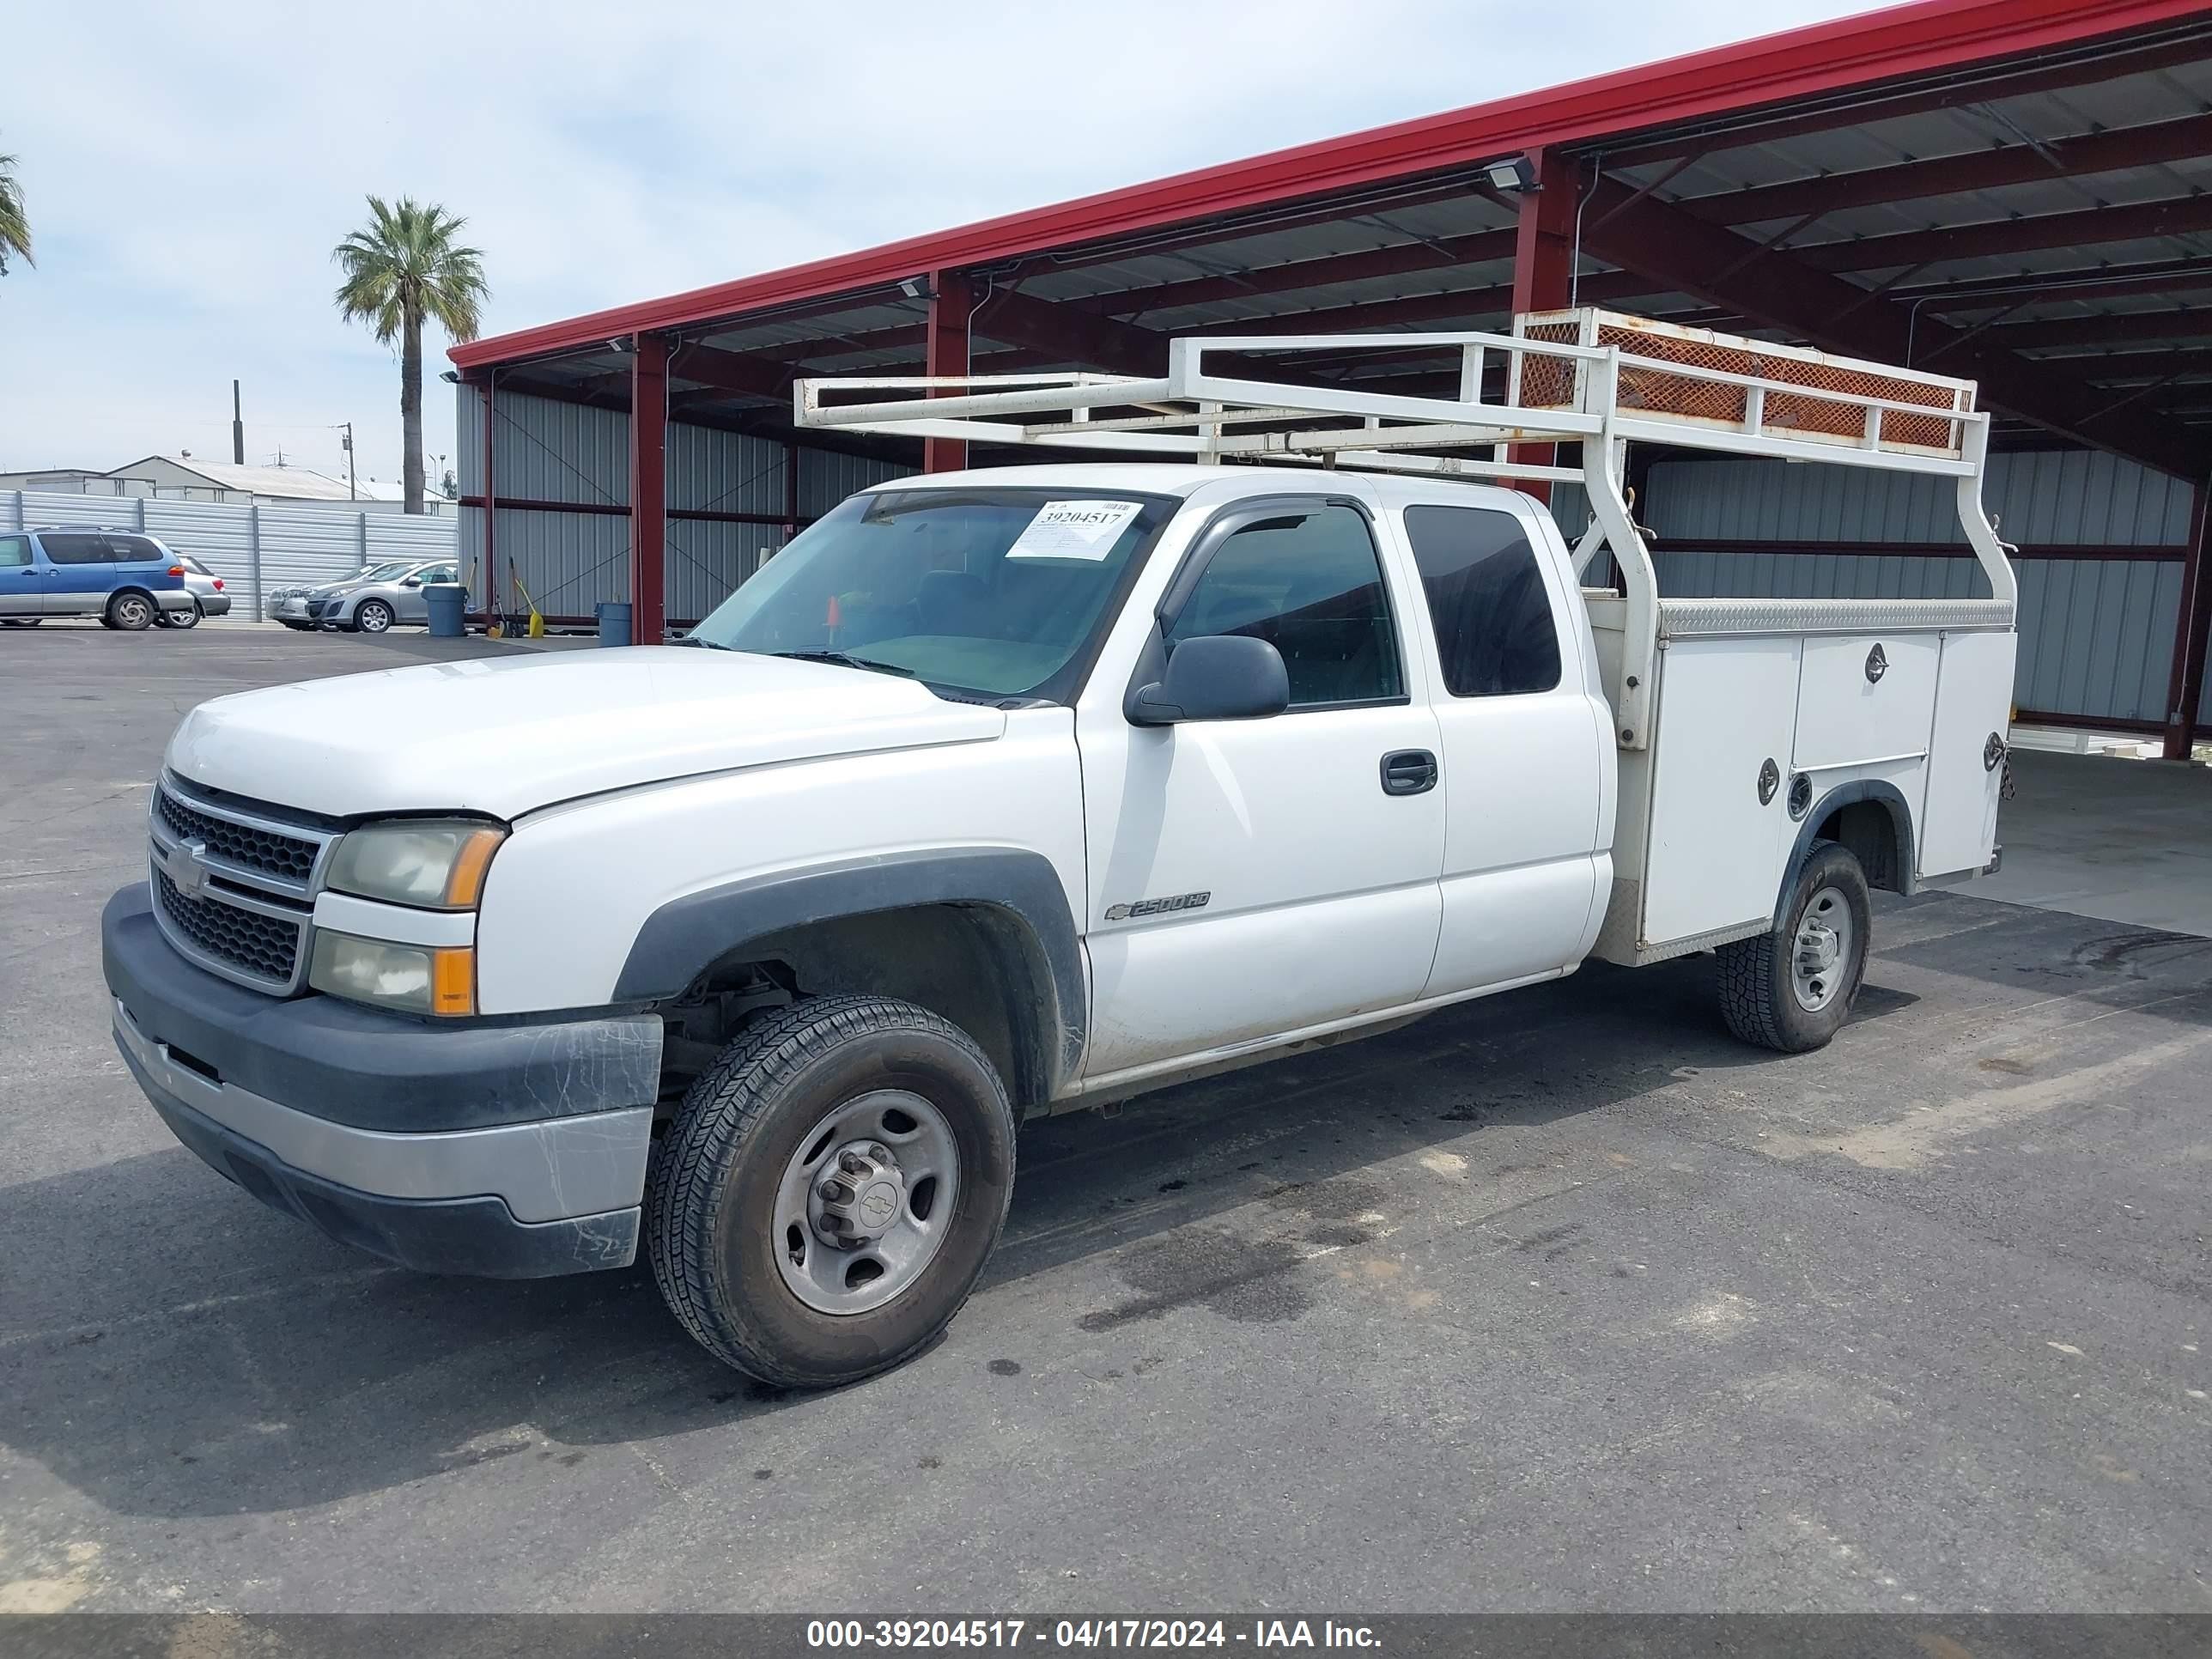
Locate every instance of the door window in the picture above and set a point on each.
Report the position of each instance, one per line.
(1309, 583)
(1495, 630)
(77, 547)
(14, 550)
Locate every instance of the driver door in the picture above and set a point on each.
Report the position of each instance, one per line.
(1249, 879)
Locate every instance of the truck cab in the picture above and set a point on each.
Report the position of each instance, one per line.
(1001, 792)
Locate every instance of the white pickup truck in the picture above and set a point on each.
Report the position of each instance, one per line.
(1007, 791)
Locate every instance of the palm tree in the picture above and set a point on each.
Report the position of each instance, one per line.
(403, 267)
(15, 224)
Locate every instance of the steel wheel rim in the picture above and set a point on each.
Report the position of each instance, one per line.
(835, 1278)
(1821, 955)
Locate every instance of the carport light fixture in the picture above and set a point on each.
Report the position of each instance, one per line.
(917, 287)
(622, 343)
(450, 376)
(1515, 172)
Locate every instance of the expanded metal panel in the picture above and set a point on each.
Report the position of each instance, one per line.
(826, 478)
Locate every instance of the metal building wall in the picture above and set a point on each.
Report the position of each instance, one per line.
(570, 560)
(255, 549)
(2096, 633)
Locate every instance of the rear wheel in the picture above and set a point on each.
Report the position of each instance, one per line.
(130, 611)
(828, 1193)
(182, 618)
(19, 621)
(373, 616)
(1791, 988)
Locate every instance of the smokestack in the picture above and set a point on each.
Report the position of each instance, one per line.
(237, 429)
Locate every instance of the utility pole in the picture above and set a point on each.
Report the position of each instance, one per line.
(237, 429)
(349, 450)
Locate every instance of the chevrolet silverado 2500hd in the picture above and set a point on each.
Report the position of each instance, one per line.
(1003, 791)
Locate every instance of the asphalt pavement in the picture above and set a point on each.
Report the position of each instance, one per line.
(1562, 1301)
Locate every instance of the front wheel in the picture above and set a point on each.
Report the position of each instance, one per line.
(373, 616)
(829, 1191)
(1791, 988)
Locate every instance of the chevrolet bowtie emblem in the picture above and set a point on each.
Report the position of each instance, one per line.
(182, 863)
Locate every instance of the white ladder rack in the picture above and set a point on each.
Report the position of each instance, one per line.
(1595, 379)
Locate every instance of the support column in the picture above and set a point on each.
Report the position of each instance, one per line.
(1543, 269)
(2192, 636)
(950, 300)
(488, 593)
(648, 489)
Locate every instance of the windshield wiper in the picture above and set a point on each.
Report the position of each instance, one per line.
(704, 645)
(846, 660)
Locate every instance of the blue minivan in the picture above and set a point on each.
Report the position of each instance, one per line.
(127, 580)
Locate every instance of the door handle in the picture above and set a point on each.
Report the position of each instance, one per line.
(1408, 772)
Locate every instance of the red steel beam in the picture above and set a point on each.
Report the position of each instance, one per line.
(951, 300)
(1063, 332)
(1544, 270)
(1831, 61)
(2182, 216)
(2192, 638)
(731, 371)
(1443, 253)
(1779, 290)
(2150, 145)
(648, 489)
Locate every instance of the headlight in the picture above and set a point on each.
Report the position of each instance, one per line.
(436, 863)
(419, 979)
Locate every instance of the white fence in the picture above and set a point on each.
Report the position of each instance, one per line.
(255, 549)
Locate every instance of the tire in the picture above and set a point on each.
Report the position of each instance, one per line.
(1777, 996)
(297, 627)
(132, 611)
(20, 622)
(726, 1267)
(182, 618)
(373, 616)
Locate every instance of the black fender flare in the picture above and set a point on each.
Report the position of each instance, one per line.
(687, 935)
(1845, 794)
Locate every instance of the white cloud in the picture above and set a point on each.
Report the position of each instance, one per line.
(188, 169)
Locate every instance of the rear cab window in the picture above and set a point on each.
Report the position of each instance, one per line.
(1497, 633)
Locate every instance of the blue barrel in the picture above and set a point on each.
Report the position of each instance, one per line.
(614, 622)
(448, 603)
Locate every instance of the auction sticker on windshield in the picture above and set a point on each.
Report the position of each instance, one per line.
(1074, 530)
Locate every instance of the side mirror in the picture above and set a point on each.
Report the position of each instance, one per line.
(1215, 677)
(412, 581)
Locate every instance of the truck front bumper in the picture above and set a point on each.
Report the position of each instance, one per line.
(513, 1151)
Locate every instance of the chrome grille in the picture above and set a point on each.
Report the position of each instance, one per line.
(267, 851)
(265, 949)
(234, 886)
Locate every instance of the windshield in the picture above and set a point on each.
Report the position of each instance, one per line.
(385, 572)
(992, 592)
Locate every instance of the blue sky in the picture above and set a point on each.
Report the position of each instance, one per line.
(188, 167)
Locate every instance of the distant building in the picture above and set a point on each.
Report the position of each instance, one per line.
(186, 477)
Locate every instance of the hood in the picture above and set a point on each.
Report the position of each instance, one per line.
(504, 735)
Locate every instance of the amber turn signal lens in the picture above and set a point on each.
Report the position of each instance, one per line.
(453, 980)
(464, 886)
